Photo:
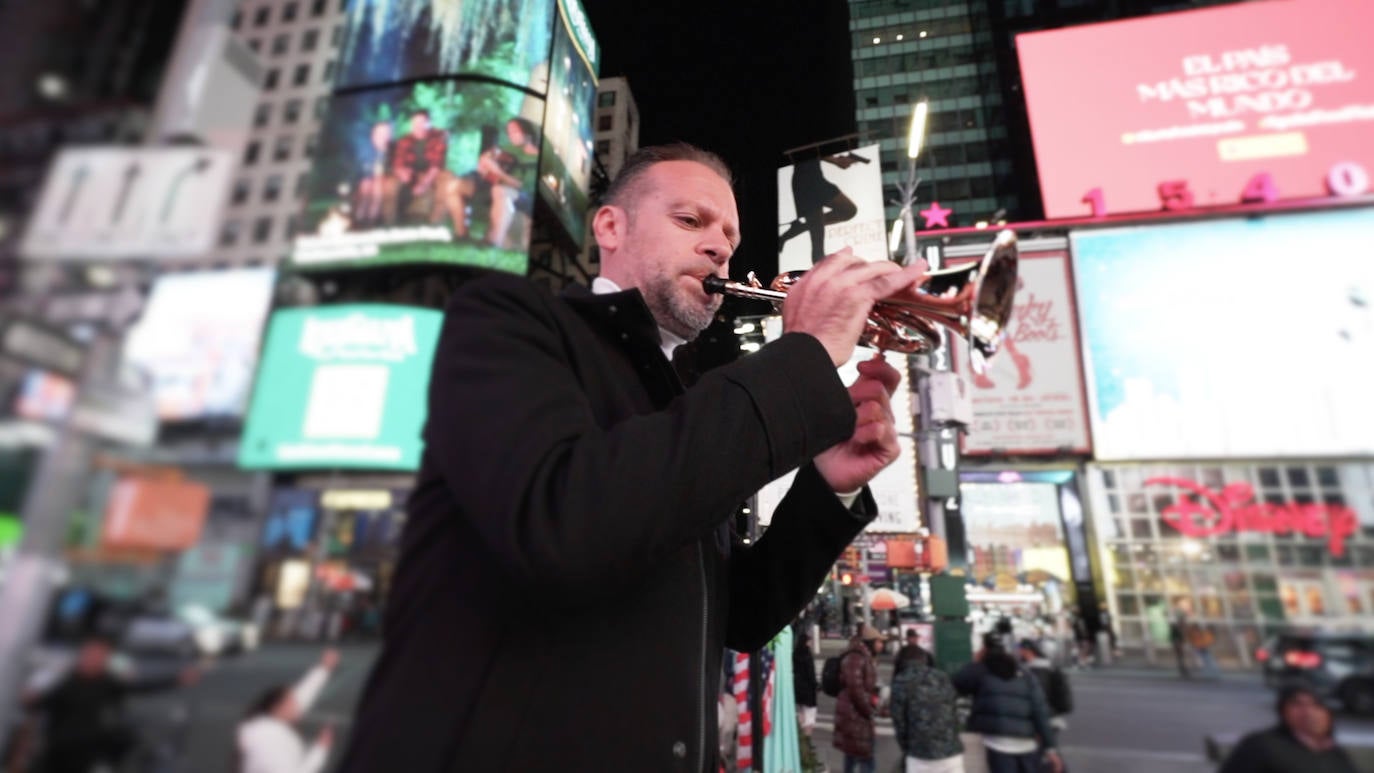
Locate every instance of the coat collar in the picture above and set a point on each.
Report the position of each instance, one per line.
(622, 312)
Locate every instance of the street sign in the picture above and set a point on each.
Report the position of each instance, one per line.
(41, 346)
(105, 203)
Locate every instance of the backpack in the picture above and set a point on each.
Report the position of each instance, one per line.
(832, 679)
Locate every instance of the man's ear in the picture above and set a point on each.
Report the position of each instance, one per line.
(609, 225)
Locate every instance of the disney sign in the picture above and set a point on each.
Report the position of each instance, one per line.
(1234, 509)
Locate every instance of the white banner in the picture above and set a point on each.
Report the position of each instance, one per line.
(837, 200)
(1031, 399)
(105, 203)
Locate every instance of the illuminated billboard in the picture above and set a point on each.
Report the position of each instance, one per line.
(566, 166)
(399, 40)
(427, 172)
(198, 341)
(1237, 338)
(827, 204)
(1247, 102)
(341, 387)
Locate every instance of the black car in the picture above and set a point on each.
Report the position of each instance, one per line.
(1334, 665)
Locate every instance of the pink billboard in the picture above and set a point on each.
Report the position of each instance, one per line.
(1246, 103)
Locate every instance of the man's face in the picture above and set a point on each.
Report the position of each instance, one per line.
(93, 658)
(419, 124)
(1303, 714)
(680, 225)
(381, 135)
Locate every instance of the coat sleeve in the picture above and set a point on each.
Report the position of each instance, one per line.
(563, 503)
(898, 706)
(1040, 712)
(1247, 756)
(771, 581)
(860, 683)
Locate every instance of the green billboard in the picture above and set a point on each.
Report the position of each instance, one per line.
(341, 387)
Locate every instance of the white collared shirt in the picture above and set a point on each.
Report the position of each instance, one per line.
(668, 340)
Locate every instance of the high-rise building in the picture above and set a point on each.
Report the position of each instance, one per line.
(617, 124)
(297, 42)
(960, 57)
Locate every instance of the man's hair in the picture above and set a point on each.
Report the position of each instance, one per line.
(421, 111)
(621, 191)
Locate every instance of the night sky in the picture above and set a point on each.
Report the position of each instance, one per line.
(747, 79)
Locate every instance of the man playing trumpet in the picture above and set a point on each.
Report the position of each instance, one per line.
(568, 577)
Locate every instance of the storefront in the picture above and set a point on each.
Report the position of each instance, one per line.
(1242, 549)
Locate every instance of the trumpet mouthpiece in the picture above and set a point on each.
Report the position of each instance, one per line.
(714, 284)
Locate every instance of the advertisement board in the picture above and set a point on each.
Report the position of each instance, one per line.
(1229, 338)
(438, 171)
(1030, 400)
(398, 40)
(341, 387)
(103, 203)
(155, 514)
(198, 338)
(827, 204)
(566, 165)
(1251, 101)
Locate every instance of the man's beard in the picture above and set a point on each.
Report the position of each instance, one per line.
(676, 312)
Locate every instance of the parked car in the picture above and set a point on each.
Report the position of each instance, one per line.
(189, 630)
(1336, 666)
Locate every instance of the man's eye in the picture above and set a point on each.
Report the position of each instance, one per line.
(687, 220)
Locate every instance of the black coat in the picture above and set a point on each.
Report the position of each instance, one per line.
(1013, 706)
(567, 580)
(804, 675)
(1276, 751)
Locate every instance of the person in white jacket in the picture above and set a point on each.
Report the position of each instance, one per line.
(267, 738)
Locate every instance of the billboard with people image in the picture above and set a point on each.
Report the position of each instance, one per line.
(439, 171)
(565, 169)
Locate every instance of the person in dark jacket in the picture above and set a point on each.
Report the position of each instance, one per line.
(856, 707)
(1053, 681)
(910, 650)
(568, 468)
(1302, 742)
(924, 716)
(804, 686)
(1009, 711)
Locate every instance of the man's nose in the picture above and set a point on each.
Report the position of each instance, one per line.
(717, 248)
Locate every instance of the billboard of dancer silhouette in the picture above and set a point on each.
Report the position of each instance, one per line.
(819, 201)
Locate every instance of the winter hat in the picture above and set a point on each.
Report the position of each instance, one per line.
(869, 633)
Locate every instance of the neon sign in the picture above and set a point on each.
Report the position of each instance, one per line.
(1234, 509)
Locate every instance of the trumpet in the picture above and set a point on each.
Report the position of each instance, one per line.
(975, 301)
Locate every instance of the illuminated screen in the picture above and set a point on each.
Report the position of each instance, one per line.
(198, 341)
(396, 40)
(1194, 108)
(341, 387)
(1190, 351)
(566, 166)
(435, 171)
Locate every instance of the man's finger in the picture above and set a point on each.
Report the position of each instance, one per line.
(880, 370)
(889, 283)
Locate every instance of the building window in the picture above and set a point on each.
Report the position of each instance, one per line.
(301, 180)
(301, 76)
(241, 191)
(309, 40)
(261, 18)
(292, 112)
(317, 7)
(236, 21)
(870, 101)
(262, 230)
(255, 45)
(271, 190)
(328, 71)
(603, 124)
(310, 143)
(281, 150)
(280, 44)
(269, 83)
(263, 115)
(229, 234)
(250, 153)
(290, 226)
(603, 146)
(321, 107)
(336, 37)
(605, 99)
(288, 12)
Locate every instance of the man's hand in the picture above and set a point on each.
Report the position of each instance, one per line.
(1056, 764)
(330, 659)
(326, 736)
(832, 301)
(873, 446)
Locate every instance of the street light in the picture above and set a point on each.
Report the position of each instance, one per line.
(918, 129)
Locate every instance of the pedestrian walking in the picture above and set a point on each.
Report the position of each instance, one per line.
(924, 716)
(84, 711)
(856, 707)
(1053, 681)
(1303, 741)
(567, 444)
(910, 650)
(804, 687)
(268, 741)
(1009, 711)
(1201, 639)
(1178, 641)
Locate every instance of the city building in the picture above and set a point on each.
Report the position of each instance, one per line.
(959, 56)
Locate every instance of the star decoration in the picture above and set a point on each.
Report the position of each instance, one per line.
(936, 215)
